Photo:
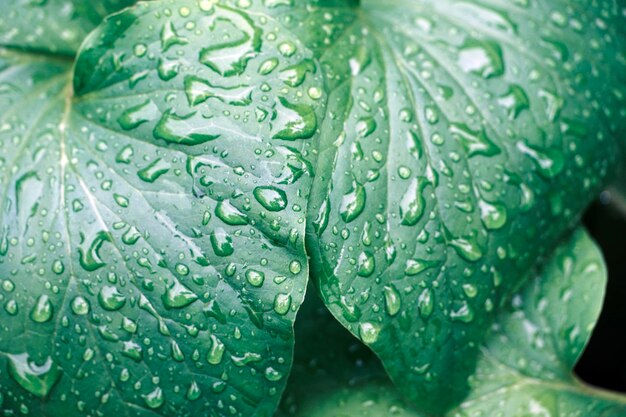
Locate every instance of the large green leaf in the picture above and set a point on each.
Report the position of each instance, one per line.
(153, 216)
(525, 368)
(462, 139)
(53, 26)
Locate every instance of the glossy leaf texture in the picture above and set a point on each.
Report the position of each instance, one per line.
(52, 26)
(525, 366)
(152, 227)
(461, 140)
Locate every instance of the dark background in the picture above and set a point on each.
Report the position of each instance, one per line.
(603, 364)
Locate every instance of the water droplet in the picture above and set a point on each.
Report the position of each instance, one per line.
(366, 264)
(169, 37)
(178, 296)
(198, 91)
(194, 392)
(272, 198)
(353, 203)
(132, 350)
(514, 101)
(296, 121)
(138, 115)
(483, 58)
(216, 352)
(426, 303)
(36, 379)
(190, 129)
(474, 142)
(232, 56)
(42, 311)
(393, 302)
(80, 306)
(222, 242)
(549, 162)
(493, 216)
(90, 259)
(282, 303)
(155, 399)
(153, 171)
(368, 332)
(272, 374)
(463, 313)
(255, 278)
(11, 307)
(412, 204)
(110, 298)
(177, 353)
(295, 267)
(366, 127)
(294, 75)
(467, 248)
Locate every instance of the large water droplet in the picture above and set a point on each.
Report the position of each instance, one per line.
(393, 302)
(190, 129)
(42, 310)
(110, 298)
(272, 198)
(483, 58)
(368, 332)
(154, 399)
(36, 379)
(222, 242)
(295, 121)
(412, 204)
(353, 203)
(178, 296)
(216, 352)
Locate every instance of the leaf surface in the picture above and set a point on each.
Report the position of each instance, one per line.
(525, 366)
(461, 141)
(152, 227)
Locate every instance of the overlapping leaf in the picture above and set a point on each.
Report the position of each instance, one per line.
(525, 367)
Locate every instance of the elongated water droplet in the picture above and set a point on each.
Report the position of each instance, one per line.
(272, 198)
(138, 115)
(42, 310)
(222, 243)
(549, 162)
(153, 171)
(190, 129)
(426, 303)
(353, 203)
(393, 302)
(216, 352)
(474, 142)
(412, 205)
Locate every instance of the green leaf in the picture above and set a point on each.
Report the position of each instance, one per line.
(52, 26)
(152, 227)
(462, 139)
(525, 366)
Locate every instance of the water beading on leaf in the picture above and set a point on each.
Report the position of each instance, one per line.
(160, 178)
(524, 367)
(153, 219)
